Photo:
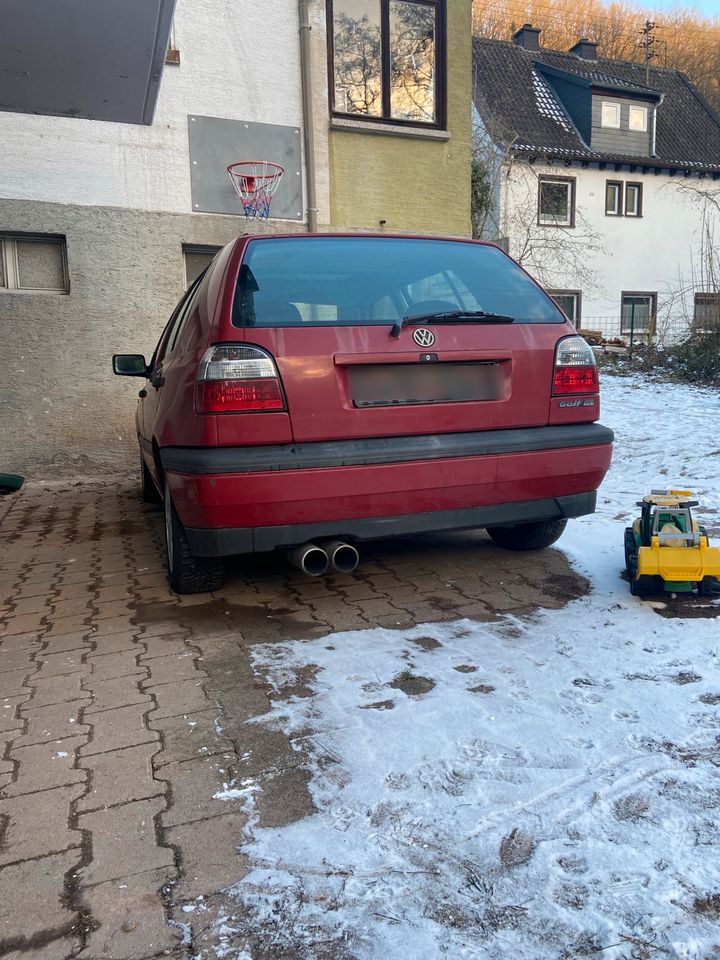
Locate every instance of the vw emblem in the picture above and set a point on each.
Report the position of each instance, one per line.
(423, 337)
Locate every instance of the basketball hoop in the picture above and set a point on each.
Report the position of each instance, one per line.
(255, 182)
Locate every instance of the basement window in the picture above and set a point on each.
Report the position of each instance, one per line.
(197, 259)
(569, 302)
(637, 312)
(706, 315)
(35, 263)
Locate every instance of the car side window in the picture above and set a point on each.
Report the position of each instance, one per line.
(170, 333)
(182, 317)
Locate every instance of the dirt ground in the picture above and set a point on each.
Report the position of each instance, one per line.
(124, 709)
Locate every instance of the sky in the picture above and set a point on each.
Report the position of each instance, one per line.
(708, 8)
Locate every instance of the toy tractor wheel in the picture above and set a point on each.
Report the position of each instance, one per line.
(639, 586)
(709, 587)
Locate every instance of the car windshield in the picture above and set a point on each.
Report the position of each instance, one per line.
(379, 280)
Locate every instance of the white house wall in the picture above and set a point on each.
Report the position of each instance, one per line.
(657, 252)
(239, 61)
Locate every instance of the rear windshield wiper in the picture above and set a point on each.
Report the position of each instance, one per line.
(451, 316)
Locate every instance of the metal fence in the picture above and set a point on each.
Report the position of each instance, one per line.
(619, 333)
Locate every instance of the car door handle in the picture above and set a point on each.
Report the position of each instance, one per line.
(143, 393)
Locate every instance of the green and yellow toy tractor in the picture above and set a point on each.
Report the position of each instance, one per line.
(666, 551)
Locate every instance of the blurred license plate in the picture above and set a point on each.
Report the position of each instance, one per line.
(378, 385)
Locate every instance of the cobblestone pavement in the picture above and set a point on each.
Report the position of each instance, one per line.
(124, 708)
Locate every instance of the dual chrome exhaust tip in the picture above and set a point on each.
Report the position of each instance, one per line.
(315, 559)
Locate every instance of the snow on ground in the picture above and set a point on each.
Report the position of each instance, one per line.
(555, 794)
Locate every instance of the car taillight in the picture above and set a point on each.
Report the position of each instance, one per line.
(235, 378)
(575, 367)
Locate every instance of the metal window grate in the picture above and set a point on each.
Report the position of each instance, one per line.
(40, 265)
(196, 260)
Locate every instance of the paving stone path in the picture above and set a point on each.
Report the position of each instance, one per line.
(124, 709)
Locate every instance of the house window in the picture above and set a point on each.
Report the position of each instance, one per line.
(637, 312)
(388, 59)
(556, 201)
(610, 116)
(633, 199)
(613, 198)
(34, 263)
(706, 315)
(638, 118)
(197, 258)
(569, 302)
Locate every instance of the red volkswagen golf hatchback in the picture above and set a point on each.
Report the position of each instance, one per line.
(313, 391)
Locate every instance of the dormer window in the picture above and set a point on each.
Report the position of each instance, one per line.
(610, 114)
(638, 119)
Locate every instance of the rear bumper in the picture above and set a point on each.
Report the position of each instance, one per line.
(244, 500)
(225, 542)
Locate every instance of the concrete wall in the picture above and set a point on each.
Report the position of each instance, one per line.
(606, 256)
(409, 177)
(62, 411)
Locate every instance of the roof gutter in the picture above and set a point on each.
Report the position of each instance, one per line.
(308, 128)
(653, 151)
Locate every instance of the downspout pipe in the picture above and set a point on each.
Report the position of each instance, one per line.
(308, 128)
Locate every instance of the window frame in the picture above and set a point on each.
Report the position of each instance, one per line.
(620, 198)
(652, 295)
(11, 266)
(577, 294)
(639, 209)
(645, 110)
(712, 299)
(386, 118)
(198, 249)
(611, 103)
(572, 183)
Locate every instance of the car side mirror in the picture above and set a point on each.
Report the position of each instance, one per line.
(129, 365)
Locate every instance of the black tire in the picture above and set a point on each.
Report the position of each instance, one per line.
(148, 490)
(709, 587)
(630, 551)
(639, 586)
(187, 572)
(528, 536)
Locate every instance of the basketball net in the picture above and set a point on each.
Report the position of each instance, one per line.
(255, 182)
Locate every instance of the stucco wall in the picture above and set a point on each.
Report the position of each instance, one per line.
(412, 183)
(61, 409)
(603, 256)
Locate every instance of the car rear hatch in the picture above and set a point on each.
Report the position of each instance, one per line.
(391, 336)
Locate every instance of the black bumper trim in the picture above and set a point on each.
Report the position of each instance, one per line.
(376, 450)
(225, 542)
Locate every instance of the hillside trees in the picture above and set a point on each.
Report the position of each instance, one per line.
(683, 39)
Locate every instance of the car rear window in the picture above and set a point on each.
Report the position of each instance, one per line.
(320, 281)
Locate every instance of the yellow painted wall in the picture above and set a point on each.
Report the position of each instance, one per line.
(413, 183)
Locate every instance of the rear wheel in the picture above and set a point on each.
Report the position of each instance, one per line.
(148, 490)
(528, 536)
(187, 572)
